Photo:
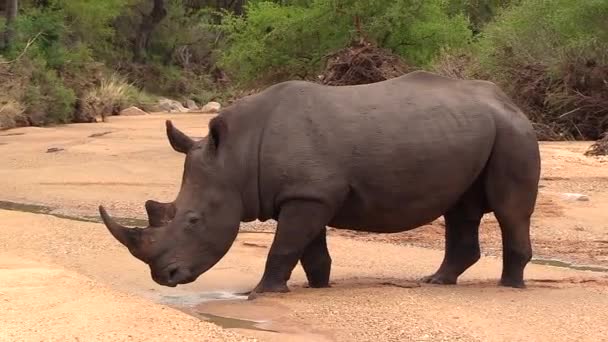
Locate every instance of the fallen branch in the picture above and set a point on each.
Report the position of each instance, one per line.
(27, 46)
(600, 147)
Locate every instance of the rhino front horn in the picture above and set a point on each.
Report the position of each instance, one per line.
(129, 237)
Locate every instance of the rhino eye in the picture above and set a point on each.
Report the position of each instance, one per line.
(193, 220)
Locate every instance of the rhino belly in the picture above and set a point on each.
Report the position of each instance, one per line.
(397, 197)
(398, 211)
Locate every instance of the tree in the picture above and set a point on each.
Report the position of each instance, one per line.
(146, 28)
(11, 8)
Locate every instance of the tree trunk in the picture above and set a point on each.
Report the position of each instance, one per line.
(12, 6)
(238, 7)
(146, 28)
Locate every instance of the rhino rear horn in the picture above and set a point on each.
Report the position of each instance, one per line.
(159, 213)
(178, 140)
(129, 237)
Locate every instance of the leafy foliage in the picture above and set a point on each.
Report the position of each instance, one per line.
(552, 56)
(291, 40)
(46, 94)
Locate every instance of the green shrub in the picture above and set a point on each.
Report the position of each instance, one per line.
(292, 40)
(47, 99)
(54, 44)
(552, 57)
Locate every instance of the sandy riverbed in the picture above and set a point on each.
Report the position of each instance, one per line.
(62, 279)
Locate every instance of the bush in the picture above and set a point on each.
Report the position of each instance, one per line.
(48, 100)
(455, 63)
(552, 57)
(112, 95)
(11, 114)
(284, 41)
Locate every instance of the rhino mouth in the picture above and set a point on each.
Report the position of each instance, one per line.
(173, 275)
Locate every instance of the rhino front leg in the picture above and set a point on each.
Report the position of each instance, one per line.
(316, 261)
(300, 226)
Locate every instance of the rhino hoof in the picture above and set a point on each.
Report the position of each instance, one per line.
(438, 279)
(268, 288)
(322, 285)
(518, 284)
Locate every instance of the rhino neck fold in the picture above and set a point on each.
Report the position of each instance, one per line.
(246, 129)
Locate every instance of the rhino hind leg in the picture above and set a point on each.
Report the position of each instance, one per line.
(300, 225)
(512, 189)
(316, 261)
(517, 249)
(513, 202)
(461, 238)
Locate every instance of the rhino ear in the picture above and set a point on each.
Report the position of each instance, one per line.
(178, 140)
(218, 129)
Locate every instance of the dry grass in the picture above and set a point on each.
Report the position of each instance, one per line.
(454, 64)
(108, 98)
(11, 114)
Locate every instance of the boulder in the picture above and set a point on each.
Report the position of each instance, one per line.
(211, 107)
(190, 104)
(132, 111)
(171, 106)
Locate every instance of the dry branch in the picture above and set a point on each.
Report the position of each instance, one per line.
(362, 63)
(27, 46)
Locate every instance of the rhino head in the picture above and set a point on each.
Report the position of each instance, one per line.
(187, 237)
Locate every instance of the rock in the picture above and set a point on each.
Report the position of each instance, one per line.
(575, 197)
(101, 134)
(211, 107)
(131, 111)
(171, 106)
(54, 149)
(190, 104)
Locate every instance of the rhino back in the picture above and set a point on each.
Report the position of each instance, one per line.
(386, 156)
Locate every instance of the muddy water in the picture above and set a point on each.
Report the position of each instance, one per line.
(194, 304)
(232, 323)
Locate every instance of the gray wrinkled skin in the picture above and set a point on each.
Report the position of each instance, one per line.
(384, 157)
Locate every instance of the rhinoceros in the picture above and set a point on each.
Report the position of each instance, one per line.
(384, 157)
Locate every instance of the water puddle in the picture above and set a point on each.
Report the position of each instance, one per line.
(192, 299)
(233, 323)
(564, 264)
(189, 304)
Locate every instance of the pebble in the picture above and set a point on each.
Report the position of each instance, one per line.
(575, 197)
